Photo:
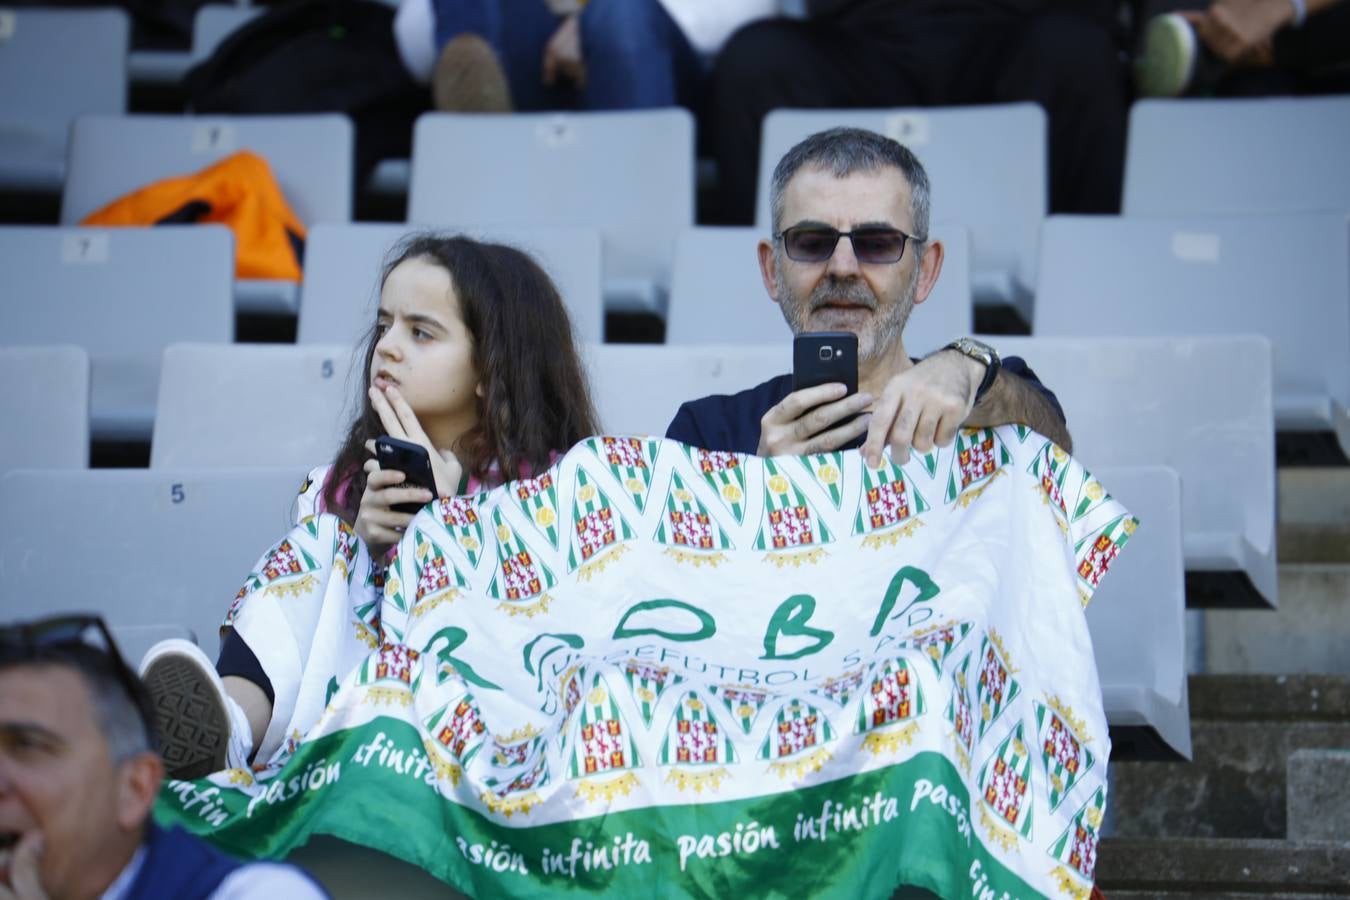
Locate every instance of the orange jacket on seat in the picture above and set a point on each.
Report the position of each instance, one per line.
(238, 191)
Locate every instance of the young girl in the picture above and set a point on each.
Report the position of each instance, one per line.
(471, 356)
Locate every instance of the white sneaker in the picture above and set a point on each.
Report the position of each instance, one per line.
(201, 729)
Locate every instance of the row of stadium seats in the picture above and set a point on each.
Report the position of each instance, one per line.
(1200, 405)
(125, 294)
(988, 165)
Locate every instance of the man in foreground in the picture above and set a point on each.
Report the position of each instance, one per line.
(79, 777)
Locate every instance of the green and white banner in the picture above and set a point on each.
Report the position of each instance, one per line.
(655, 669)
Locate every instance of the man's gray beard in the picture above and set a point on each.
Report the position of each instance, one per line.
(885, 333)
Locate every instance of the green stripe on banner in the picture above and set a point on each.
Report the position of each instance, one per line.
(855, 837)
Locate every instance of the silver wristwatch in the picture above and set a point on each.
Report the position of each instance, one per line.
(980, 352)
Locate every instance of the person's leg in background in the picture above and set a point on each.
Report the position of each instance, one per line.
(637, 57)
(1071, 64)
(490, 56)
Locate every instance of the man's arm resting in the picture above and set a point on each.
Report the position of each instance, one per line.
(1012, 398)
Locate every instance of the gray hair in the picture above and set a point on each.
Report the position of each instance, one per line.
(843, 151)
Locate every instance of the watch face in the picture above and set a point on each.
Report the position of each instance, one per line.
(981, 351)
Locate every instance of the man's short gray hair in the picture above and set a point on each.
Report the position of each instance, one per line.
(843, 151)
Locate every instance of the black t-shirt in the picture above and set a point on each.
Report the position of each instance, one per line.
(731, 422)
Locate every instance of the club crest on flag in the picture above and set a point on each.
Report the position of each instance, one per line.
(287, 570)
(995, 686)
(516, 748)
(887, 506)
(648, 682)
(1076, 848)
(839, 689)
(603, 746)
(438, 580)
(889, 707)
(460, 517)
(979, 459)
(1005, 784)
(961, 714)
(1051, 469)
(538, 499)
(828, 471)
(1064, 752)
(599, 530)
(725, 474)
(743, 701)
(937, 642)
(689, 533)
(795, 745)
(630, 460)
(344, 548)
(696, 748)
(522, 581)
(390, 674)
(1098, 551)
(791, 531)
(516, 795)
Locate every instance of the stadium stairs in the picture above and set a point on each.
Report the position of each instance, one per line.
(1263, 809)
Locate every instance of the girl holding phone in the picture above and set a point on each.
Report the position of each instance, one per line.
(470, 358)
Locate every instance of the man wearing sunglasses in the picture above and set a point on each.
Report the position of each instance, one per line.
(850, 252)
(79, 776)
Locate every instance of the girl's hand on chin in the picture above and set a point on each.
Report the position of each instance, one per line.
(401, 422)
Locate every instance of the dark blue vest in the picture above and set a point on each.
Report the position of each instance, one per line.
(178, 865)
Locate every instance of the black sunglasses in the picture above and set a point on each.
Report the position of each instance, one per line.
(48, 639)
(816, 243)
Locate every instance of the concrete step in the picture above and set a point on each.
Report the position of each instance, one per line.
(1309, 633)
(1314, 514)
(1244, 728)
(1207, 869)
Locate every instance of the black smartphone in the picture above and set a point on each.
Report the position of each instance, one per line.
(825, 357)
(410, 459)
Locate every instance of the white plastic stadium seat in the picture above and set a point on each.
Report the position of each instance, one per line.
(987, 167)
(1194, 157)
(630, 174)
(717, 295)
(45, 408)
(343, 265)
(141, 547)
(669, 376)
(46, 85)
(1201, 405)
(123, 294)
(1137, 623)
(235, 405)
(311, 157)
(1283, 276)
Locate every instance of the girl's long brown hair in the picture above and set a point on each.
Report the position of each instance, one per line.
(535, 398)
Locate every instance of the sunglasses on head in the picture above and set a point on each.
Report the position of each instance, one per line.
(46, 639)
(816, 243)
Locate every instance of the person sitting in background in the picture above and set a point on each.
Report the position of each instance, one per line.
(1066, 56)
(856, 184)
(531, 55)
(79, 775)
(1247, 48)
